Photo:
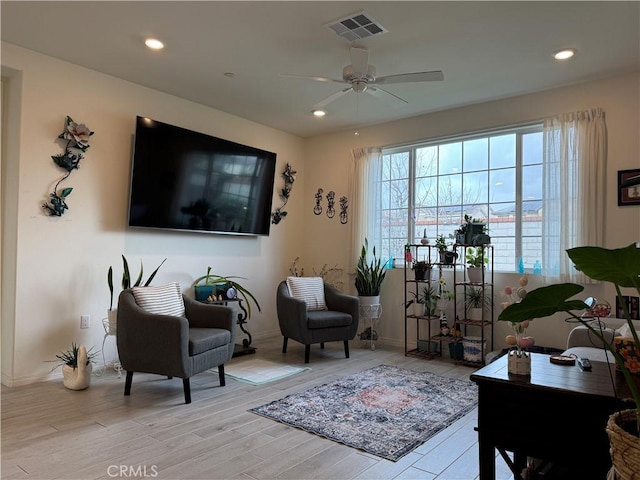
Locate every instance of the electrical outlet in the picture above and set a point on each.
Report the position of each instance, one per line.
(85, 321)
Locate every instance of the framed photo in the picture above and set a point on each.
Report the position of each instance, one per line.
(629, 187)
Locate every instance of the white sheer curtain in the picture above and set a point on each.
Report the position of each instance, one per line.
(365, 194)
(574, 166)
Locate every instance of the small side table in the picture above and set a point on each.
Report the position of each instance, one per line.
(370, 314)
(245, 348)
(116, 364)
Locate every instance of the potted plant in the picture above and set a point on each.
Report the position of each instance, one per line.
(77, 366)
(423, 301)
(475, 302)
(422, 269)
(369, 275)
(620, 267)
(212, 280)
(476, 258)
(125, 283)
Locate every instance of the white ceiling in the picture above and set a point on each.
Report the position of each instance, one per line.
(487, 50)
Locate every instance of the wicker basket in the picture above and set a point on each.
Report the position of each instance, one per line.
(625, 447)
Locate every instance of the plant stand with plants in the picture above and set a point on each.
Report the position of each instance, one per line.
(420, 299)
(476, 332)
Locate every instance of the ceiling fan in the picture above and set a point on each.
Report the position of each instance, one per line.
(361, 77)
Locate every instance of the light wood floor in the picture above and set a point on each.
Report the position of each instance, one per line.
(49, 432)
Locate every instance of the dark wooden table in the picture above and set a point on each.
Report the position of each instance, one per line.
(558, 415)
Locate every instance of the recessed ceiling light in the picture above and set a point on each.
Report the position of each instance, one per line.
(318, 113)
(154, 44)
(229, 74)
(564, 54)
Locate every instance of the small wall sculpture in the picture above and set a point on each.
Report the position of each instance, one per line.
(344, 204)
(289, 177)
(77, 138)
(331, 200)
(317, 209)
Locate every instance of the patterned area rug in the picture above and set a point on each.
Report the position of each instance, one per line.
(387, 411)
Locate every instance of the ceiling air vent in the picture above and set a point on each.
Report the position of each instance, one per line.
(356, 26)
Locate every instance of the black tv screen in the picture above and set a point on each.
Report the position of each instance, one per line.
(185, 180)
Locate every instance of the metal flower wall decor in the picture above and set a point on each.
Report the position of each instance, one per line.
(77, 137)
(289, 177)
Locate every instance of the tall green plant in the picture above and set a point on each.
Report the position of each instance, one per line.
(126, 277)
(620, 267)
(369, 275)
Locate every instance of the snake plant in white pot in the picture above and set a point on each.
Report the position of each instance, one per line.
(369, 276)
(621, 268)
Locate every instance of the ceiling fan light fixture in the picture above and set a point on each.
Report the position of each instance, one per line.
(564, 54)
(318, 113)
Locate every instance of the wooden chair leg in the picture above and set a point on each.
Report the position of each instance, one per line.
(221, 375)
(307, 353)
(346, 348)
(284, 345)
(127, 383)
(187, 390)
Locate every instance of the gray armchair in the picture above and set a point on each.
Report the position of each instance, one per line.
(338, 323)
(174, 346)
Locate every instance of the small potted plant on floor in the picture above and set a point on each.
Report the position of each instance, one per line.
(77, 366)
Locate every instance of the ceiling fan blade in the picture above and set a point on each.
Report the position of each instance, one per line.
(310, 77)
(384, 94)
(435, 76)
(332, 97)
(360, 60)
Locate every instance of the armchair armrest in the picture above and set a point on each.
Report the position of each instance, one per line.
(203, 315)
(292, 313)
(341, 302)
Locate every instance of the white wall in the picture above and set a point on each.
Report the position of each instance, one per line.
(328, 154)
(61, 263)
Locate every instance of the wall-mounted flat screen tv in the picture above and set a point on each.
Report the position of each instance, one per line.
(185, 180)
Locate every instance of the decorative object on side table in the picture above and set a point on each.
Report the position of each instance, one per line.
(211, 281)
(519, 362)
(620, 267)
(77, 138)
(289, 177)
(77, 366)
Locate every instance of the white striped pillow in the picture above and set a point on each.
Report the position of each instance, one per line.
(161, 299)
(308, 289)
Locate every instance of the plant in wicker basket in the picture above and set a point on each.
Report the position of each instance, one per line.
(620, 267)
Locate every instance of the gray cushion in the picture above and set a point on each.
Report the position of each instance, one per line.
(203, 339)
(328, 319)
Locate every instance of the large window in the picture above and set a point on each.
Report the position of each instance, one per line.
(495, 176)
